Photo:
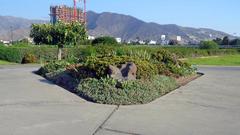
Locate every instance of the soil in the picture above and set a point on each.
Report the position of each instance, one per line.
(186, 79)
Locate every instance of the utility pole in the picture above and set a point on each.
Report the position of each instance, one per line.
(11, 28)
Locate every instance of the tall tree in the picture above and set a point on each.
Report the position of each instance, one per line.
(235, 42)
(59, 34)
(218, 41)
(225, 41)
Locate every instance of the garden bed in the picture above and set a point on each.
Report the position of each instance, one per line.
(152, 76)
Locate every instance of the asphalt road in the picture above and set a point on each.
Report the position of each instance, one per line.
(30, 105)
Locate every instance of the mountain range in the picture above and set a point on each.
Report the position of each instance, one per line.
(116, 25)
(15, 27)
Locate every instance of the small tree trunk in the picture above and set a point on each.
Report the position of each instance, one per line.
(59, 53)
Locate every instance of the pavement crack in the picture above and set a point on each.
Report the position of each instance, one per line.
(109, 116)
(205, 105)
(122, 132)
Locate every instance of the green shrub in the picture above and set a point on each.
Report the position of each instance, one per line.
(11, 54)
(16, 53)
(104, 41)
(209, 45)
(103, 50)
(53, 66)
(29, 58)
(101, 64)
(109, 91)
(141, 54)
(168, 64)
(89, 51)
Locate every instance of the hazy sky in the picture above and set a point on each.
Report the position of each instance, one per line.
(217, 14)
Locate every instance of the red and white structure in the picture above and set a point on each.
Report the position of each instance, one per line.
(68, 14)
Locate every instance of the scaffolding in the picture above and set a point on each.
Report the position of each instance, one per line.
(68, 14)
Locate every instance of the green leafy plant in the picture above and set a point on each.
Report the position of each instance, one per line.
(52, 67)
(101, 64)
(58, 34)
(109, 91)
(208, 45)
(104, 41)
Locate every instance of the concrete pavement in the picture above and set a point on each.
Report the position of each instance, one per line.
(30, 105)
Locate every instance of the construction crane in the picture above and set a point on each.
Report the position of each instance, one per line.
(84, 9)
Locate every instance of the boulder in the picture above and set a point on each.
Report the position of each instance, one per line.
(126, 71)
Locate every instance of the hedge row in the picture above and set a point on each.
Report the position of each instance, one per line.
(47, 53)
(16, 54)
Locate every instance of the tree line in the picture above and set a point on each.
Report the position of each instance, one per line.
(227, 41)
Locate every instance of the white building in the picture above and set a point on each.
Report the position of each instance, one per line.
(119, 40)
(152, 42)
(163, 37)
(91, 37)
(179, 38)
(142, 42)
(210, 35)
(6, 42)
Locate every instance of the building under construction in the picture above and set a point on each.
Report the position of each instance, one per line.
(69, 14)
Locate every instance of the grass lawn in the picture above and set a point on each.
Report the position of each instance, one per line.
(228, 60)
(5, 62)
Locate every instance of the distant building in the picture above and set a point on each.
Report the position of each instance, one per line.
(30, 40)
(6, 42)
(163, 37)
(142, 42)
(152, 42)
(210, 35)
(179, 38)
(119, 40)
(91, 37)
(66, 14)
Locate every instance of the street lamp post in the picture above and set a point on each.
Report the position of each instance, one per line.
(11, 28)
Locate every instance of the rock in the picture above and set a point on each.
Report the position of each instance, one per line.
(115, 72)
(127, 71)
(63, 79)
(66, 81)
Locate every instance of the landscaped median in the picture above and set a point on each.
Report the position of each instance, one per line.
(120, 80)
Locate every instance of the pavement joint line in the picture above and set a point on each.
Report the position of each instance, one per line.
(122, 132)
(109, 116)
(205, 105)
(40, 103)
